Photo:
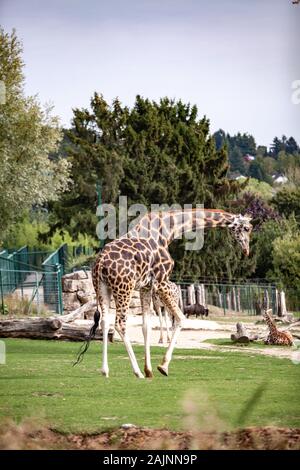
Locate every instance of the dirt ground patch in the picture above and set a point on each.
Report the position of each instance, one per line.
(28, 436)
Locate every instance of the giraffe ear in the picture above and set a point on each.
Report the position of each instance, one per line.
(246, 218)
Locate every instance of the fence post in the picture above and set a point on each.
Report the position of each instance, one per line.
(2, 298)
(224, 298)
(59, 288)
(283, 304)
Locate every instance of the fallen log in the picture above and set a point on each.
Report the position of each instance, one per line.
(242, 335)
(47, 328)
(78, 313)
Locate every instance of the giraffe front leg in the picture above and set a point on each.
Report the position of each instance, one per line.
(104, 294)
(120, 326)
(167, 316)
(161, 337)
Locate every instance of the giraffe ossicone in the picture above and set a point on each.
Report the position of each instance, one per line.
(141, 260)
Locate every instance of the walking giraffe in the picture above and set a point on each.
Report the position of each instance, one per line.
(141, 260)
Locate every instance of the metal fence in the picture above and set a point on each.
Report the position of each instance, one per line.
(244, 299)
(41, 284)
(54, 268)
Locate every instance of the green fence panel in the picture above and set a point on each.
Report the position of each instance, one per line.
(53, 268)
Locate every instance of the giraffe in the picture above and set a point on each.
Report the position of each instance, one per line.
(276, 337)
(140, 260)
(157, 305)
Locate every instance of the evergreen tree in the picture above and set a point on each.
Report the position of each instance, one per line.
(153, 153)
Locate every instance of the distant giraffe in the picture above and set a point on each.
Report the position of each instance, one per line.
(141, 260)
(276, 337)
(158, 305)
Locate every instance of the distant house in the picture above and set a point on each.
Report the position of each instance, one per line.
(279, 179)
(249, 158)
(240, 177)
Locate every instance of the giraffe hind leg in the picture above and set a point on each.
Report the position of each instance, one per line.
(120, 326)
(169, 300)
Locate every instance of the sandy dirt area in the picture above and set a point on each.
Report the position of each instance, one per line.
(195, 332)
(29, 436)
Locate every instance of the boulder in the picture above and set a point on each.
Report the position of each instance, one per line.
(86, 296)
(70, 301)
(69, 285)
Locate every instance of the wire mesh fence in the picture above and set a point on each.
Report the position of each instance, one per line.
(37, 276)
(243, 298)
(30, 294)
(39, 284)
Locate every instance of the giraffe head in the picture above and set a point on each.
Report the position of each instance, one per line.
(240, 229)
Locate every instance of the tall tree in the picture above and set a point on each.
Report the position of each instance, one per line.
(28, 134)
(156, 152)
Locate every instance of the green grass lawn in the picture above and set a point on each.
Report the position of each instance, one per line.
(38, 380)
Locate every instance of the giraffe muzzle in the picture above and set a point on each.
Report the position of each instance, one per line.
(246, 251)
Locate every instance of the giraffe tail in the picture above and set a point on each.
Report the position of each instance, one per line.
(91, 336)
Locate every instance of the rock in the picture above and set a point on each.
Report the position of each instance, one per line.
(70, 301)
(128, 426)
(89, 314)
(79, 275)
(86, 296)
(69, 285)
(73, 285)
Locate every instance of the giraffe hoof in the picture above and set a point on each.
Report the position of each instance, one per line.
(104, 373)
(139, 376)
(163, 370)
(149, 374)
(160, 341)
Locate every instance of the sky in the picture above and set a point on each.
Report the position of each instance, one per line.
(235, 59)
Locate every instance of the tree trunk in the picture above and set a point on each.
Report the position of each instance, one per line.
(242, 335)
(239, 299)
(191, 295)
(234, 298)
(47, 328)
(220, 299)
(78, 313)
(283, 311)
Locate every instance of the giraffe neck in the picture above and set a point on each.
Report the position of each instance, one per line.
(172, 224)
(270, 322)
(197, 219)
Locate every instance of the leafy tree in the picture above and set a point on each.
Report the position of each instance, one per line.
(259, 188)
(286, 261)
(156, 152)
(238, 146)
(220, 139)
(28, 134)
(292, 146)
(237, 162)
(262, 151)
(263, 240)
(257, 170)
(94, 147)
(252, 204)
(26, 232)
(287, 202)
(284, 144)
